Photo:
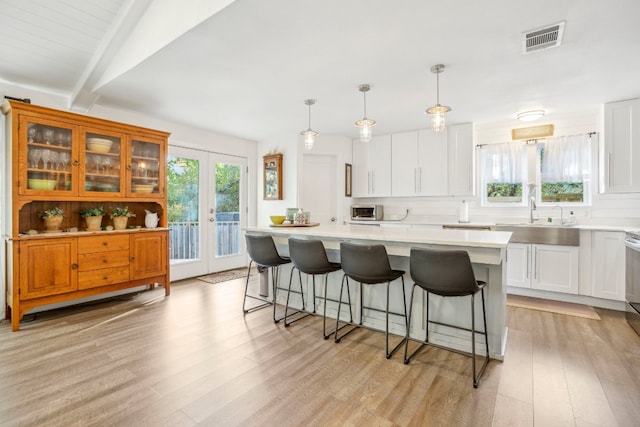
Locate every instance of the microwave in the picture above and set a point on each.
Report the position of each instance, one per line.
(367, 212)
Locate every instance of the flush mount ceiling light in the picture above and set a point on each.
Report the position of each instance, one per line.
(309, 135)
(365, 124)
(529, 116)
(437, 112)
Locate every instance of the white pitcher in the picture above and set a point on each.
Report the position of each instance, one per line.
(150, 219)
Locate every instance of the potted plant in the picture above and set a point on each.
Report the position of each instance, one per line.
(93, 217)
(52, 219)
(120, 216)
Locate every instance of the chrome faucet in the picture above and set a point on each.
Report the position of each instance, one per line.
(532, 207)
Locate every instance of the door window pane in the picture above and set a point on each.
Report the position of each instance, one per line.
(227, 209)
(183, 208)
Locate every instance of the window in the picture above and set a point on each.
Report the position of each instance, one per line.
(565, 164)
(503, 173)
(559, 167)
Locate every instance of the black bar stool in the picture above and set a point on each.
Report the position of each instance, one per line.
(369, 264)
(310, 257)
(262, 251)
(448, 274)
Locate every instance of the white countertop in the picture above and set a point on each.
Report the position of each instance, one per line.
(469, 238)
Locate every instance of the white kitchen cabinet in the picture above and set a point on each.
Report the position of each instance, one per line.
(460, 160)
(421, 166)
(544, 267)
(608, 265)
(620, 160)
(372, 167)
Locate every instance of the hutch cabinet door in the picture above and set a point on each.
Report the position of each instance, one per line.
(146, 174)
(148, 255)
(101, 163)
(46, 156)
(47, 267)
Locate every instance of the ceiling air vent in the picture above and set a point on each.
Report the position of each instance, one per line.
(542, 38)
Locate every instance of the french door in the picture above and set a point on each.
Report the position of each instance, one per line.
(207, 210)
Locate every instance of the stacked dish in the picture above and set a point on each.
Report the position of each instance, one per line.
(100, 145)
(143, 188)
(41, 184)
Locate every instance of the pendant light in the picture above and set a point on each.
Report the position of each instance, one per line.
(365, 124)
(309, 135)
(437, 112)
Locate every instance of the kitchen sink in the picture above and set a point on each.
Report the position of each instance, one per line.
(546, 234)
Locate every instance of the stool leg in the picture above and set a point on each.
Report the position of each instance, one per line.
(473, 340)
(406, 341)
(338, 327)
(246, 295)
(274, 280)
(476, 379)
(389, 354)
(286, 307)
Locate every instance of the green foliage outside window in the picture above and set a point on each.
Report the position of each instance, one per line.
(504, 192)
(183, 175)
(227, 188)
(562, 192)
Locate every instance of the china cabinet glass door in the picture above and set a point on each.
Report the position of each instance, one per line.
(146, 178)
(47, 156)
(101, 163)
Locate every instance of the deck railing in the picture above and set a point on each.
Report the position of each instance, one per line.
(185, 239)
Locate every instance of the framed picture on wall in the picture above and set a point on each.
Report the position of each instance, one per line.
(272, 177)
(347, 180)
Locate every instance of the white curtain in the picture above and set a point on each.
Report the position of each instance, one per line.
(566, 158)
(503, 163)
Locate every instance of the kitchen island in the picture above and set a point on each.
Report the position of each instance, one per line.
(487, 250)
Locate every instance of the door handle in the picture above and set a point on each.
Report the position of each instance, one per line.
(212, 219)
(332, 219)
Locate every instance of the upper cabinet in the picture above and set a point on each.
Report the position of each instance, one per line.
(619, 159)
(372, 167)
(60, 156)
(424, 163)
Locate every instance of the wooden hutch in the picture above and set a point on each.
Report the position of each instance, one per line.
(75, 162)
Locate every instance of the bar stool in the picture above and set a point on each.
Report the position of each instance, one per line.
(448, 274)
(262, 251)
(310, 257)
(369, 264)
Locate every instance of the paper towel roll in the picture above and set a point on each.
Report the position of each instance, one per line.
(464, 212)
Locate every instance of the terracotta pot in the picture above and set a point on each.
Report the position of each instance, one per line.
(93, 223)
(53, 223)
(120, 222)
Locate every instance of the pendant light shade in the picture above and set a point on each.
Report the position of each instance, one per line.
(437, 112)
(309, 135)
(365, 124)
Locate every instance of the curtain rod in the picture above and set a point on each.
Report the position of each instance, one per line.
(535, 141)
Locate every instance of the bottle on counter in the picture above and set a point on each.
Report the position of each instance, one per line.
(464, 212)
(572, 219)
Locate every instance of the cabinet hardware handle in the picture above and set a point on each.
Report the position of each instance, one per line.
(132, 258)
(105, 260)
(105, 243)
(528, 258)
(106, 277)
(128, 167)
(608, 183)
(74, 265)
(76, 162)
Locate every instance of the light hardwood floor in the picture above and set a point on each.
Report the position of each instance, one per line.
(194, 359)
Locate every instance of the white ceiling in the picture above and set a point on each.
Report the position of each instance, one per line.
(247, 69)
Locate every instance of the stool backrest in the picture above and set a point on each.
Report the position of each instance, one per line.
(308, 256)
(262, 250)
(365, 263)
(443, 272)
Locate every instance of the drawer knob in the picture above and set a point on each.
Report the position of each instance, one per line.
(106, 277)
(74, 265)
(105, 260)
(132, 258)
(105, 243)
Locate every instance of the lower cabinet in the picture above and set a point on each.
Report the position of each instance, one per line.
(608, 265)
(545, 267)
(63, 268)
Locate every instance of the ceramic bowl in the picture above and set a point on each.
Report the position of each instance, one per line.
(41, 184)
(277, 219)
(99, 145)
(143, 188)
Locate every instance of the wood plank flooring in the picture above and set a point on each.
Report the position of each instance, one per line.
(194, 359)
